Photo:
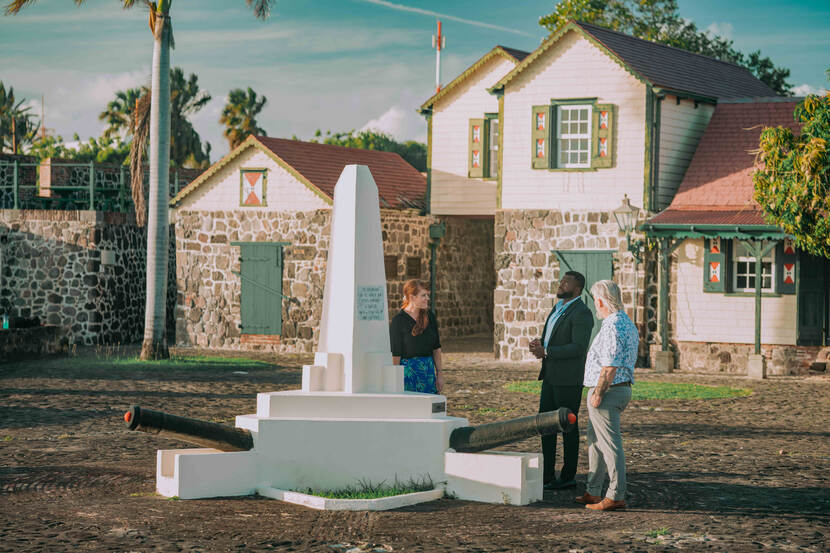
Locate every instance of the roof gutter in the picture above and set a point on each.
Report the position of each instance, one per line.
(705, 230)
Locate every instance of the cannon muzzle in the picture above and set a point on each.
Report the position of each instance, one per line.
(469, 439)
(194, 431)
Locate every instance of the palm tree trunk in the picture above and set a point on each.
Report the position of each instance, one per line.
(155, 340)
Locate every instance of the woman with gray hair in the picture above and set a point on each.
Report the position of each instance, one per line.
(609, 374)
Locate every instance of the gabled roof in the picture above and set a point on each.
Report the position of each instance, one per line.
(318, 166)
(503, 51)
(717, 188)
(658, 65)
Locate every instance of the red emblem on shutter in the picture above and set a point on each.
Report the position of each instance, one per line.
(540, 121)
(714, 271)
(603, 120)
(789, 247)
(603, 147)
(789, 273)
(476, 133)
(540, 147)
(714, 245)
(476, 158)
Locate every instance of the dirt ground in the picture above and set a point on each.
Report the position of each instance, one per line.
(745, 474)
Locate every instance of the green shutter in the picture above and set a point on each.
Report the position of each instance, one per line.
(602, 136)
(541, 133)
(476, 151)
(785, 266)
(261, 274)
(716, 262)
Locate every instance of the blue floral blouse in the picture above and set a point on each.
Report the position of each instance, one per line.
(614, 346)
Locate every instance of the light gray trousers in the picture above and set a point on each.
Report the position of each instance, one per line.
(605, 449)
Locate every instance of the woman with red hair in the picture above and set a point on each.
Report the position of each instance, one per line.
(415, 342)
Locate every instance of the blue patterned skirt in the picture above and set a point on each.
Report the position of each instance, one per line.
(419, 374)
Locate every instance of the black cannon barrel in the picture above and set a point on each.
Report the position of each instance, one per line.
(195, 431)
(469, 439)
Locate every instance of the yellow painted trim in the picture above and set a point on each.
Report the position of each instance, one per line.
(250, 141)
(552, 39)
(497, 51)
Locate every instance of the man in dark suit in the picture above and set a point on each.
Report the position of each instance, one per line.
(562, 349)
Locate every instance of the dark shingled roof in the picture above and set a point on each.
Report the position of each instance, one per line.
(676, 69)
(519, 55)
(400, 185)
(717, 188)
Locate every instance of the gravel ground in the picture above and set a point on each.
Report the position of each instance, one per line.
(743, 474)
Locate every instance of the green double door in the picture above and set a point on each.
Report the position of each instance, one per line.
(595, 265)
(813, 301)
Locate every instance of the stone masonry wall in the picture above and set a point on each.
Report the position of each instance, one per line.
(52, 269)
(527, 271)
(209, 293)
(715, 357)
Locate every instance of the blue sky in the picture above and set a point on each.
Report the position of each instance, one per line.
(329, 64)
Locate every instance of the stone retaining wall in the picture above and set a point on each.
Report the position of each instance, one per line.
(714, 357)
(17, 343)
(209, 293)
(527, 272)
(55, 268)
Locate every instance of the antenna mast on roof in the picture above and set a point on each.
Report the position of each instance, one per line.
(438, 42)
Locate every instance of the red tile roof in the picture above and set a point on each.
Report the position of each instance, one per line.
(717, 187)
(400, 185)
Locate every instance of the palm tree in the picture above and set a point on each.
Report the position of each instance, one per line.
(17, 125)
(119, 113)
(239, 115)
(155, 342)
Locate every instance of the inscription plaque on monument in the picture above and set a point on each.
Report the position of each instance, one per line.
(370, 303)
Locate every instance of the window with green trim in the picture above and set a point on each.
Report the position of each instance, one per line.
(743, 269)
(573, 136)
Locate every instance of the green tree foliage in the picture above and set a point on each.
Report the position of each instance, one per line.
(415, 153)
(106, 150)
(186, 99)
(239, 116)
(793, 184)
(660, 21)
(18, 127)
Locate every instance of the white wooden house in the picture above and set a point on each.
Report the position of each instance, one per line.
(590, 117)
(709, 284)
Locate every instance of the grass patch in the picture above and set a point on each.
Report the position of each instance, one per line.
(664, 531)
(175, 362)
(367, 490)
(650, 390)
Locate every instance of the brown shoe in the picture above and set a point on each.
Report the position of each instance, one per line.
(607, 504)
(588, 499)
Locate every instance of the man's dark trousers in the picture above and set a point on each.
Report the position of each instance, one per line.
(554, 397)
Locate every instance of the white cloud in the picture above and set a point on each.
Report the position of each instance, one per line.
(805, 89)
(723, 29)
(400, 122)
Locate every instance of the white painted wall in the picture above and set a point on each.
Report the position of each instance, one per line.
(283, 191)
(452, 192)
(708, 317)
(681, 126)
(573, 68)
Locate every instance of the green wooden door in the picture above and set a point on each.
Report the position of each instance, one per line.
(813, 282)
(595, 265)
(261, 288)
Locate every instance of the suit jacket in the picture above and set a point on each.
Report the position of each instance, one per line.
(568, 346)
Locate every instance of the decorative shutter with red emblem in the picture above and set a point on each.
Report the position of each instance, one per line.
(786, 266)
(540, 152)
(476, 151)
(715, 265)
(602, 137)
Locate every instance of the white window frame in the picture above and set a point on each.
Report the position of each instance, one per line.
(493, 152)
(571, 136)
(749, 263)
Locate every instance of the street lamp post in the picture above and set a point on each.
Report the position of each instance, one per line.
(626, 216)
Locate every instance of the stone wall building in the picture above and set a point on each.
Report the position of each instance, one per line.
(252, 238)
